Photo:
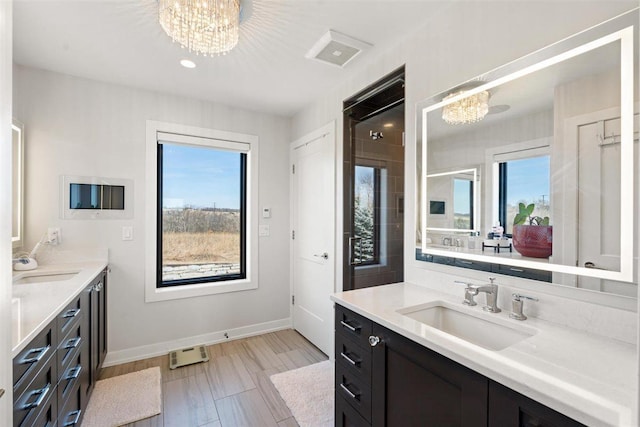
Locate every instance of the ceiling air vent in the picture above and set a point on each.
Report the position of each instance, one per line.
(336, 49)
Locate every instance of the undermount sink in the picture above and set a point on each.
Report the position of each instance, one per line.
(459, 322)
(42, 276)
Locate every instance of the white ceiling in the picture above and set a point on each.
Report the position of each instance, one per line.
(121, 42)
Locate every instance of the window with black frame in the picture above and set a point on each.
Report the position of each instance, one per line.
(201, 212)
(366, 220)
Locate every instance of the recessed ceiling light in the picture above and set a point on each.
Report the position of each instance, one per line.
(388, 125)
(187, 63)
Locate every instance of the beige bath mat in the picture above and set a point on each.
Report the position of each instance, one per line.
(125, 399)
(309, 393)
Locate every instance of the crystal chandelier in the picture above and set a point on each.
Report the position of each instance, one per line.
(207, 27)
(471, 109)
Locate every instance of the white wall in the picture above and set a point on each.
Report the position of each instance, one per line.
(6, 371)
(75, 126)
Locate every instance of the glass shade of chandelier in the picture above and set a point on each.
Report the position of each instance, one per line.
(206, 27)
(470, 109)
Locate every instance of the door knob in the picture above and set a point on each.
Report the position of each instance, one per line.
(323, 255)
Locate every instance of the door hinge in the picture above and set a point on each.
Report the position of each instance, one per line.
(293, 300)
(293, 169)
(293, 234)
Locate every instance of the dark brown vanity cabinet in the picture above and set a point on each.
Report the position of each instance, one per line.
(509, 408)
(54, 375)
(95, 347)
(414, 386)
(385, 379)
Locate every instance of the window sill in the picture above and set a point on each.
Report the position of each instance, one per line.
(197, 290)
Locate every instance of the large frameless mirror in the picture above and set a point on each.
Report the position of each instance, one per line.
(533, 165)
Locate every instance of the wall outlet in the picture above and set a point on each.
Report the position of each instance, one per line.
(53, 236)
(263, 230)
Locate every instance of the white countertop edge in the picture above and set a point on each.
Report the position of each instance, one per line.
(88, 271)
(573, 401)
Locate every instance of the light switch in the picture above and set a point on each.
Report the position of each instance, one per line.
(127, 232)
(266, 212)
(263, 230)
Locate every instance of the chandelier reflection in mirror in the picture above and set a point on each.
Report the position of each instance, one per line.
(206, 27)
(470, 109)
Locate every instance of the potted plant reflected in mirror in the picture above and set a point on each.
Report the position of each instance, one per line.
(532, 235)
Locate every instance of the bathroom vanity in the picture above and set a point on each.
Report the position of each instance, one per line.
(59, 341)
(395, 367)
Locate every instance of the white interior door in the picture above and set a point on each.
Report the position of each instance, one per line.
(599, 202)
(313, 244)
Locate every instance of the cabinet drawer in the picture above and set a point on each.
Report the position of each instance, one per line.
(48, 414)
(71, 412)
(70, 376)
(353, 326)
(69, 316)
(354, 391)
(37, 395)
(354, 358)
(525, 273)
(33, 358)
(69, 345)
(346, 416)
(474, 265)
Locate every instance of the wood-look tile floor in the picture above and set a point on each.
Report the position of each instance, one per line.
(233, 388)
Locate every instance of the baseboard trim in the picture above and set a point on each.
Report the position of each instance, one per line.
(159, 349)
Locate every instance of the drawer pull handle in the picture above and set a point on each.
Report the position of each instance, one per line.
(71, 313)
(41, 393)
(72, 343)
(517, 270)
(349, 392)
(374, 341)
(38, 352)
(73, 373)
(348, 359)
(74, 421)
(349, 327)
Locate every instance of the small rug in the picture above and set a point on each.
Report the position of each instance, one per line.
(309, 393)
(124, 399)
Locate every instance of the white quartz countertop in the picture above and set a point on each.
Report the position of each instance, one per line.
(587, 377)
(35, 305)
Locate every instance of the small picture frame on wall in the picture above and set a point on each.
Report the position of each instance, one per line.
(437, 207)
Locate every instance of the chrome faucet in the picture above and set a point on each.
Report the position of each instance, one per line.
(516, 304)
(446, 241)
(492, 296)
(470, 291)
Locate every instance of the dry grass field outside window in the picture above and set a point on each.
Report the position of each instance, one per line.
(200, 248)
